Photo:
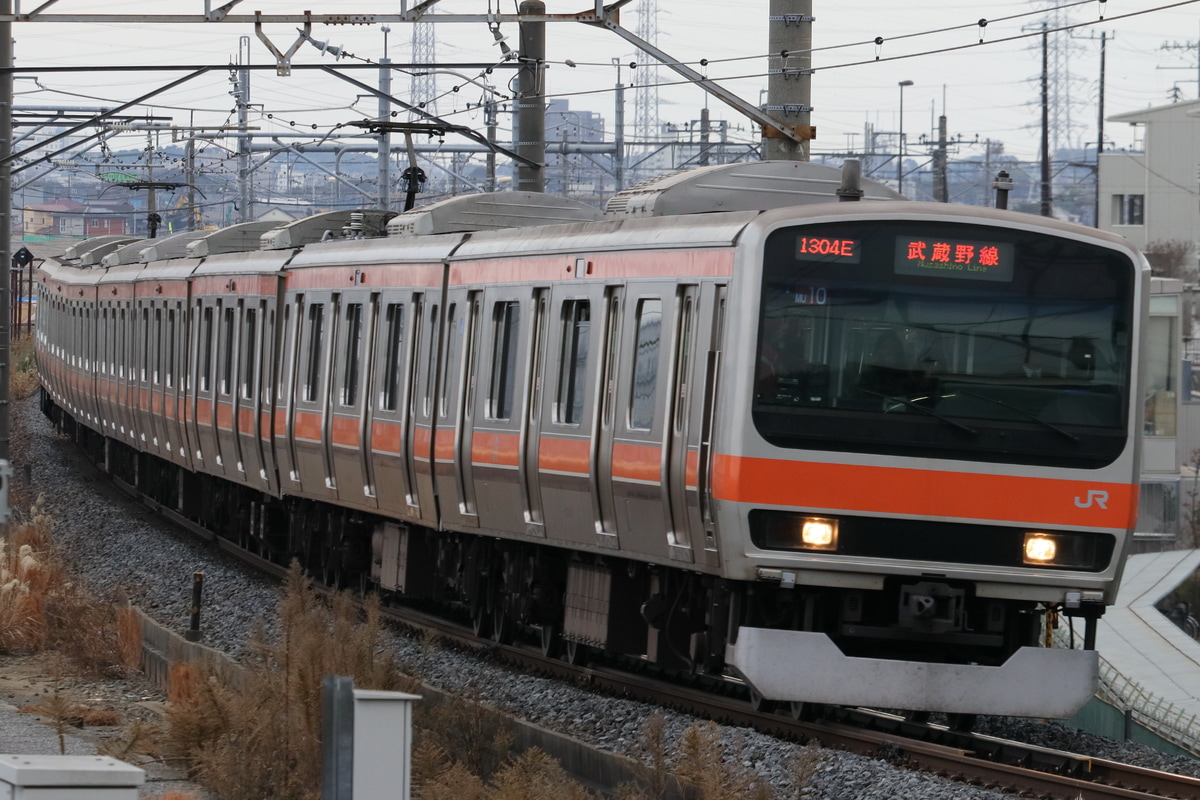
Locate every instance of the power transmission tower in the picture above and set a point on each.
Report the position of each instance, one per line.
(1061, 48)
(646, 79)
(424, 51)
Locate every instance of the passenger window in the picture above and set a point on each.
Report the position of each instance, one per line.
(394, 319)
(316, 325)
(353, 353)
(248, 353)
(206, 342)
(572, 362)
(505, 327)
(645, 365)
(227, 360)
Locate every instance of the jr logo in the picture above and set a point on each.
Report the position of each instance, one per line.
(1095, 497)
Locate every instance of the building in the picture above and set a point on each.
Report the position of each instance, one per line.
(1151, 196)
(64, 218)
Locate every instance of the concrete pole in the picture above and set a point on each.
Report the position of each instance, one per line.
(619, 134)
(490, 112)
(385, 139)
(245, 195)
(6, 104)
(704, 123)
(531, 103)
(789, 86)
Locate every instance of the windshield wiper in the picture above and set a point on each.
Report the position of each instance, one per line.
(1022, 412)
(910, 404)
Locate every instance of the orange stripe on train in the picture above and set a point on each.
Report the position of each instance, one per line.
(923, 493)
(499, 449)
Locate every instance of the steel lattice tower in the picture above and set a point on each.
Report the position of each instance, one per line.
(423, 88)
(646, 77)
(1061, 48)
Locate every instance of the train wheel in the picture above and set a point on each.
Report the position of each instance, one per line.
(481, 623)
(961, 723)
(502, 627)
(759, 703)
(578, 654)
(551, 643)
(805, 712)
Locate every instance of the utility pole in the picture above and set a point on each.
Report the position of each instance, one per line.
(789, 84)
(1100, 121)
(6, 132)
(490, 111)
(242, 95)
(384, 156)
(530, 102)
(619, 130)
(1184, 46)
(704, 121)
(1046, 197)
(941, 162)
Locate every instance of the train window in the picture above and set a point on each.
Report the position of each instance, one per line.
(393, 352)
(227, 330)
(286, 375)
(145, 344)
(572, 362)
(452, 348)
(316, 324)
(431, 365)
(645, 365)
(249, 350)
(353, 354)
(685, 360)
(206, 343)
(122, 355)
(505, 326)
(171, 347)
(158, 346)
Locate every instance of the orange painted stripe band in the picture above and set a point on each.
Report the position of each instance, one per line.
(924, 493)
(564, 455)
(499, 449)
(637, 462)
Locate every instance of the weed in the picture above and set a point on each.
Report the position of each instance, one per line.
(23, 379)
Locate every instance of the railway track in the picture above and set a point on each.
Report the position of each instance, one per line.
(977, 760)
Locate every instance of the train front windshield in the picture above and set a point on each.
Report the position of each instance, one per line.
(944, 340)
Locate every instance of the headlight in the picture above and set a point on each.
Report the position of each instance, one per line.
(819, 534)
(1039, 549)
(1061, 550)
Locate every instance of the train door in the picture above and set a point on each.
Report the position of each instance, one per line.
(267, 371)
(251, 400)
(641, 421)
(601, 457)
(455, 415)
(177, 382)
(393, 370)
(285, 388)
(499, 436)
(349, 440)
(701, 510)
(682, 439)
(310, 395)
(226, 398)
(421, 442)
(204, 396)
(531, 414)
(158, 422)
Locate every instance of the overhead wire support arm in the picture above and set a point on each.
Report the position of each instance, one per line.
(436, 121)
(724, 95)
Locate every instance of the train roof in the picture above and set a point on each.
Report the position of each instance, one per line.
(750, 186)
(492, 211)
(363, 222)
(147, 250)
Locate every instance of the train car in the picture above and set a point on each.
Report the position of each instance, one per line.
(841, 453)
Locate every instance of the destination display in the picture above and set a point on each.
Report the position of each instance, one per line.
(977, 260)
(828, 248)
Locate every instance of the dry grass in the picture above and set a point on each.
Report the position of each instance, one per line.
(30, 574)
(260, 738)
(23, 378)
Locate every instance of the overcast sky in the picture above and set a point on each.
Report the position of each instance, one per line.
(987, 91)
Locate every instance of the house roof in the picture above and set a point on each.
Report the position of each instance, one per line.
(1185, 108)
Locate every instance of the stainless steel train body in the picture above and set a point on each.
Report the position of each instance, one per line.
(856, 453)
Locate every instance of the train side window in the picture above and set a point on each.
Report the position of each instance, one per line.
(572, 362)
(312, 375)
(206, 342)
(393, 352)
(158, 346)
(171, 347)
(227, 355)
(145, 344)
(645, 365)
(353, 353)
(249, 351)
(506, 317)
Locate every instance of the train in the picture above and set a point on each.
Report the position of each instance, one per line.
(735, 426)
